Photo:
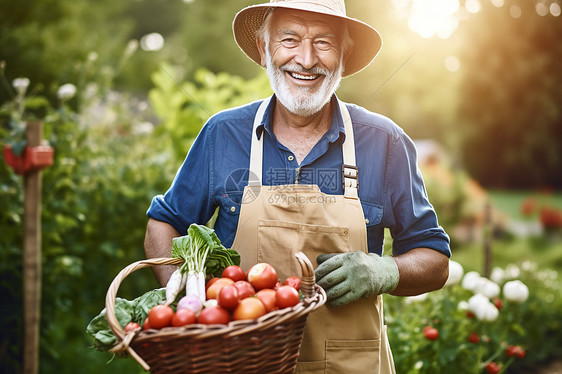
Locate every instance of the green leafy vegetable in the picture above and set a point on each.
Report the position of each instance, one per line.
(126, 311)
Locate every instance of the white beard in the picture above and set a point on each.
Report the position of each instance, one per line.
(302, 102)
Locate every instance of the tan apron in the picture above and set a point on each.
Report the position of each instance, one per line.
(277, 221)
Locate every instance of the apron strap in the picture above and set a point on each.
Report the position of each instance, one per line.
(256, 149)
(350, 177)
(349, 168)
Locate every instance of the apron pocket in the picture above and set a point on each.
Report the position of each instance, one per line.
(352, 356)
(278, 241)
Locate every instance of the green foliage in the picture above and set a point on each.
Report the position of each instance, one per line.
(95, 197)
(110, 160)
(48, 41)
(512, 104)
(185, 106)
(533, 325)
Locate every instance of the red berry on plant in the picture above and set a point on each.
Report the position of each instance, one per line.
(498, 303)
(430, 333)
(474, 338)
(492, 368)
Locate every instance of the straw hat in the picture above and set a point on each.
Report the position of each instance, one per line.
(366, 40)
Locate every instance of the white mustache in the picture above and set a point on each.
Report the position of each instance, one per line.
(300, 69)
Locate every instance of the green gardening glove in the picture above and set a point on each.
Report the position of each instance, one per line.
(348, 276)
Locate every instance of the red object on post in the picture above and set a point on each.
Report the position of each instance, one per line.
(33, 158)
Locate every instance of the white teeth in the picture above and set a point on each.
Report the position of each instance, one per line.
(305, 77)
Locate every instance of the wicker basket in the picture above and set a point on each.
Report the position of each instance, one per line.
(269, 344)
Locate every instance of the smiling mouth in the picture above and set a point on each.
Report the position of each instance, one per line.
(303, 77)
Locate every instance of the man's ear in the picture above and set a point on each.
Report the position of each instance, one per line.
(261, 48)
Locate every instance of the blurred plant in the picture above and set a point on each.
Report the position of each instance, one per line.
(476, 325)
(183, 107)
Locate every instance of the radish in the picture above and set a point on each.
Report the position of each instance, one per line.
(175, 284)
(203, 254)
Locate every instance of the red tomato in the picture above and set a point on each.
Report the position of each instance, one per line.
(234, 272)
(262, 275)
(160, 316)
(214, 315)
(228, 297)
(268, 298)
(294, 282)
(492, 368)
(245, 289)
(214, 289)
(210, 282)
(286, 297)
(430, 333)
(249, 308)
(131, 326)
(520, 353)
(498, 303)
(183, 317)
(146, 324)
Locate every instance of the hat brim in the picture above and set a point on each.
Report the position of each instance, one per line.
(367, 42)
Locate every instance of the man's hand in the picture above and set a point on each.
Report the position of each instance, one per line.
(348, 276)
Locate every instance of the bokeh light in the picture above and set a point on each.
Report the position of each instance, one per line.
(555, 9)
(152, 42)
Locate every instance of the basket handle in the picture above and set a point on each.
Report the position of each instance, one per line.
(112, 294)
(308, 279)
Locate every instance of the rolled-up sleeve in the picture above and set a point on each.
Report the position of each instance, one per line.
(189, 198)
(414, 223)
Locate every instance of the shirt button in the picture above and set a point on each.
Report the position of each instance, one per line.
(367, 221)
(233, 209)
(291, 158)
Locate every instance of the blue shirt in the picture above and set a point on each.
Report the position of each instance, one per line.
(391, 188)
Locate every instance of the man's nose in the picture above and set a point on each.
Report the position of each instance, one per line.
(306, 54)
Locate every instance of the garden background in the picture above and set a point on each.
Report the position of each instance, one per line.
(124, 86)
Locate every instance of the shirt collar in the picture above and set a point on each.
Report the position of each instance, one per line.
(336, 130)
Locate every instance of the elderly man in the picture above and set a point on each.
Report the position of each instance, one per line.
(303, 171)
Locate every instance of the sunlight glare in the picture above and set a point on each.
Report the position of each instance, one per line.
(541, 9)
(515, 11)
(452, 63)
(473, 6)
(433, 17)
(497, 3)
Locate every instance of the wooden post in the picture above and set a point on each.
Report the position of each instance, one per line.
(32, 257)
(488, 233)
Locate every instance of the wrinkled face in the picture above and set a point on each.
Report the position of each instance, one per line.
(303, 59)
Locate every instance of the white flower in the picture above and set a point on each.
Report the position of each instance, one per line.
(21, 84)
(482, 308)
(529, 266)
(470, 280)
(512, 272)
(487, 288)
(463, 305)
(143, 128)
(498, 275)
(515, 291)
(66, 92)
(456, 272)
(152, 42)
